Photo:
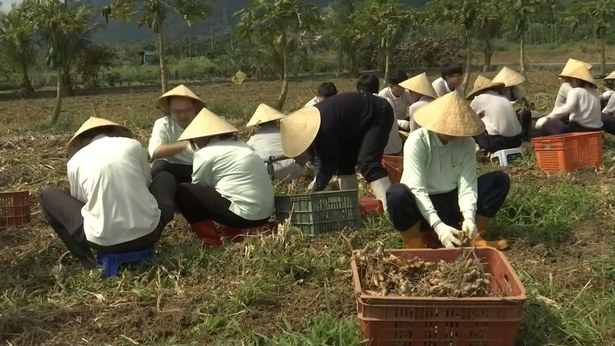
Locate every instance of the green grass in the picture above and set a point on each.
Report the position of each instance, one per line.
(286, 289)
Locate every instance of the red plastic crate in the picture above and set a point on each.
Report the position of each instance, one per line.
(14, 209)
(569, 152)
(435, 321)
(394, 166)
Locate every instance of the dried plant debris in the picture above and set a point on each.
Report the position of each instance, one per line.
(385, 274)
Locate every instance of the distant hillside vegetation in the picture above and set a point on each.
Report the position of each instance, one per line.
(117, 31)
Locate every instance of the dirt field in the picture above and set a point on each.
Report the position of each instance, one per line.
(285, 289)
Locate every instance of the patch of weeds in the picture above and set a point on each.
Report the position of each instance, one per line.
(212, 325)
(323, 329)
(544, 213)
(252, 291)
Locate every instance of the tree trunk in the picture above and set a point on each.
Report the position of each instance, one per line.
(28, 90)
(387, 63)
(353, 69)
(59, 92)
(522, 53)
(68, 82)
(603, 50)
(164, 74)
(488, 52)
(466, 78)
(284, 48)
(189, 44)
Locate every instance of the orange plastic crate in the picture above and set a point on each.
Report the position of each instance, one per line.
(14, 209)
(435, 321)
(394, 166)
(569, 152)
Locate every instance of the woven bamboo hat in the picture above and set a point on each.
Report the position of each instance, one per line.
(419, 84)
(481, 84)
(450, 115)
(163, 101)
(299, 130)
(264, 114)
(610, 76)
(582, 73)
(509, 77)
(207, 124)
(75, 144)
(573, 64)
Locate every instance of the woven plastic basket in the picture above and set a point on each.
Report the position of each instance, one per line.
(569, 152)
(394, 166)
(14, 209)
(320, 212)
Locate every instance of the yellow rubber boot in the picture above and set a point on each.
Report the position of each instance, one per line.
(412, 237)
(482, 223)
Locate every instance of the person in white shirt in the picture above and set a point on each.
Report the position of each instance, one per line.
(562, 93)
(399, 98)
(180, 105)
(230, 184)
(267, 142)
(503, 129)
(421, 90)
(581, 112)
(370, 84)
(325, 90)
(451, 79)
(439, 168)
(113, 205)
(514, 92)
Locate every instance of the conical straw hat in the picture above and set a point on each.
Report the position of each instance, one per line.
(450, 115)
(573, 64)
(481, 84)
(264, 114)
(581, 73)
(610, 76)
(509, 77)
(163, 101)
(207, 124)
(419, 84)
(75, 144)
(299, 130)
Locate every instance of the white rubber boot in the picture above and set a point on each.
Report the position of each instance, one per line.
(348, 182)
(380, 187)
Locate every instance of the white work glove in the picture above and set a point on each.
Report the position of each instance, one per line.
(403, 125)
(447, 235)
(541, 122)
(469, 226)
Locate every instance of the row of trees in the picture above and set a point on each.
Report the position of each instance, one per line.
(278, 29)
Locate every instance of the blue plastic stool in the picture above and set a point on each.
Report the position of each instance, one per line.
(112, 261)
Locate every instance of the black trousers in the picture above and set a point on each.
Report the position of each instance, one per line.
(404, 212)
(525, 118)
(63, 212)
(493, 143)
(608, 122)
(199, 202)
(558, 127)
(182, 173)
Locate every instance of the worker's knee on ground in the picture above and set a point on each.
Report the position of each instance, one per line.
(501, 180)
(160, 166)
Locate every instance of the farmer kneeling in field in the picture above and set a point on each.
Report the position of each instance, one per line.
(514, 92)
(503, 129)
(180, 105)
(452, 77)
(581, 112)
(267, 142)
(113, 205)
(230, 184)
(421, 90)
(439, 169)
(325, 90)
(342, 132)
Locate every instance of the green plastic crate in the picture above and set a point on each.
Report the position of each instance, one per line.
(320, 212)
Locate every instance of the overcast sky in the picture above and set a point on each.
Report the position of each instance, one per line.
(6, 4)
